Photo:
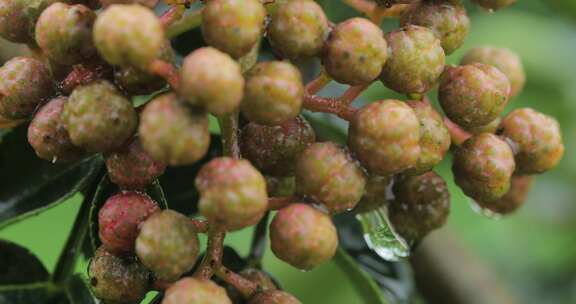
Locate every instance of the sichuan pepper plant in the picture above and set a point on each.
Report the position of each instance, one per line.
(223, 141)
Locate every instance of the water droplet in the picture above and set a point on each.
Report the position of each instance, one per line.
(483, 211)
(381, 237)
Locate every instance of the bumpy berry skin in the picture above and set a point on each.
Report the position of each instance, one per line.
(483, 166)
(328, 174)
(446, 18)
(24, 83)
(422, 204)
(274, 149)
(195, 291)
(434, 137)
(233, 26)
(491, 127)
(273, 93)
(303, 236)
(504, 60)
(494, 4)
(98, 118)
(131, 168)
(173, 133)
(148, 3)
(232, 193)
(168, 244)
(47, 135)
(119, 218)
(64, 33)
(18, 19)
(355, 52)
(516, 197)
(128, 35)
(135, 81)
(213, 80)
(385, 137)
(377, 194)
(297, 29)
(274, 297)
(473, 95)
(416, 60)
(536, 138)
(117, 280)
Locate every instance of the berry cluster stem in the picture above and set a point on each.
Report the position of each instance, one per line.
(352, 93)
(213, 257)
(246, 287)
(167, 71)
(318, 83)
(377, 12)
(171, 15)
(230, 139)
(457, 134)
(201, 225)
(279, 202)
(335, 106)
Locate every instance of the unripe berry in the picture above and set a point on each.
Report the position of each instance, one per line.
(47, 135)
(131, 168)
(274, 149)
(328, 174)
(473, 95)
(297, 29)
(233, 26)
(416, 60)
(385, 137)
(117, 280)
(514, 199)
(119, 220)
(504, 60)
(148, 3)
(446, 18)
(128, 35)
(24, 83)
(213, 80)
(64, 33)
(434, 137)
(195, 291)
(494, 4)
(483, 166)
(173, 133)
(377, 194)
(303, 236)
(168, 244)
(422, 204)
(232, 193)
(536, 138)
(98, 118)
(355, 52)
(18, 19)
(273, 93)
(274, 297)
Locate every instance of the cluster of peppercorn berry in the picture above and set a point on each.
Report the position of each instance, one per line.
(77, 90)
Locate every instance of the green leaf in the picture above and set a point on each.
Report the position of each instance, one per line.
(41, 293)
(19, 266)
(78, 291)
(31, 185)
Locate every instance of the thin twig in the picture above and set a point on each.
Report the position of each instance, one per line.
(352, 93)
(277, 203)
(246, 287)
(213, 255)
(318, 83)
(316, 103)
(230, 134)
(167, 71)
(457, 134)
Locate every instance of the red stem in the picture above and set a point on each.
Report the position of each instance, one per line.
(213, 255)
(277, 203)
(352, 93)
(167, 71)
(318, 83)
(316, 103)
(246, 287)
(458, 134)
(202, 226)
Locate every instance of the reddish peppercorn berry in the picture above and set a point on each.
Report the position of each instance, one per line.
(514, 199)
(274, 297)
(195, 291)
(18, 19)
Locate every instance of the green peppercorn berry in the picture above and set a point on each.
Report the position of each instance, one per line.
(473, 95)
(434, 137)
(24, 83)
(195, 291)
(18, 19)
(118, 280)
(232, 193)
(128, 35)
(297, 29)
(494, 4)
(273, 93)
(98, 118)
(385, 137)
(274, 297)
(64, 33)
(47, 135)
(514, 199)
(483, 167)
(504, 60)
(355, 52)
(213, 80)
(446, 18)
(416, 60)
(274, 149)
(421, 204)
(168, 244)
(173, 133)
(328, 174)
(303, 236)
(233, 26)
(536, 138)
(377, 194)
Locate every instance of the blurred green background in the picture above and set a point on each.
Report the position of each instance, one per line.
(531, 255)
